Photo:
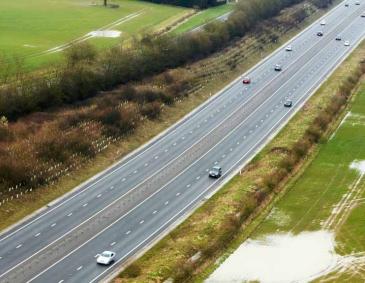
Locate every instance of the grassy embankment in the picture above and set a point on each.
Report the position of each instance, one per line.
(41, 24)
(211, 75)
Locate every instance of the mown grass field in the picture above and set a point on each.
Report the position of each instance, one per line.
(32, 27)
(203, 17)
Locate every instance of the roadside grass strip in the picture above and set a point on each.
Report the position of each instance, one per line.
(316, 231)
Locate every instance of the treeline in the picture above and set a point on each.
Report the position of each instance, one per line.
(86, 72)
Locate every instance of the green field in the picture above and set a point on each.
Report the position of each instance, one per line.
(203, 17)
(329, 196)
(30, 28)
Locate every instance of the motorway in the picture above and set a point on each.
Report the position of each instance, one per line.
(128, 206)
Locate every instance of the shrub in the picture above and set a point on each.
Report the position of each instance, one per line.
(151, 110)
(132, 271)
(301, 147)
(313, 133)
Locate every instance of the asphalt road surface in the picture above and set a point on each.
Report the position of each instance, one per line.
(128, 206)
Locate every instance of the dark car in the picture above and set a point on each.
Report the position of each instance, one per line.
(363, 15)
(357, 3)
(277, 68)
(215, 172)
(246, 80)
(338, 38)
(346, 4)
(288, 103)
(320, 33)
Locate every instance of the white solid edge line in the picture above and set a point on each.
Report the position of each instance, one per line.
(143, 148)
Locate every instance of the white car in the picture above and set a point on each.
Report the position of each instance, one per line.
(106, 258)
(289, 48)
(347, 43)
(323, 22)
(277, 68)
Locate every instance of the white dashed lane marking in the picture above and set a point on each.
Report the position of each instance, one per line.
(154, 212)
(177, 194)
(112, 244)
(36, 235)
(123, 179)
(128, 232)
(54, 224)
(79, 268)
(61, 281)
(141, 222)
(188, 186)
(84, 205)
(99, 195)
(69, 214)
(135, 171)
(18, 246)
(166, 202)
(198, 177)
(146, 164)
(112, 187)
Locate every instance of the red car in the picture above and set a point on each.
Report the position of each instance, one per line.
(246, 81)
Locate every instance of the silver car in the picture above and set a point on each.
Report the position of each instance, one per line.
(106, 258)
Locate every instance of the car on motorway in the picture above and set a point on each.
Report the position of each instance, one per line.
(246, 80)
(363, 15)
(347, 4)
(105, 258)
(357, 3)
(215, 172)
(289, 48)
(347, 43)
(320, 33)
(323, 23)
(338, 38)
(277, 68)
(288, 103)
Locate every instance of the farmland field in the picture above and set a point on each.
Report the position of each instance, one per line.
(31, 29)
(316, 232)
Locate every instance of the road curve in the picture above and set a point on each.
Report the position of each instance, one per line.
(128, 206)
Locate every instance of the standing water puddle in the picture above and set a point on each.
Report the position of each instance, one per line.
(282, 258)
